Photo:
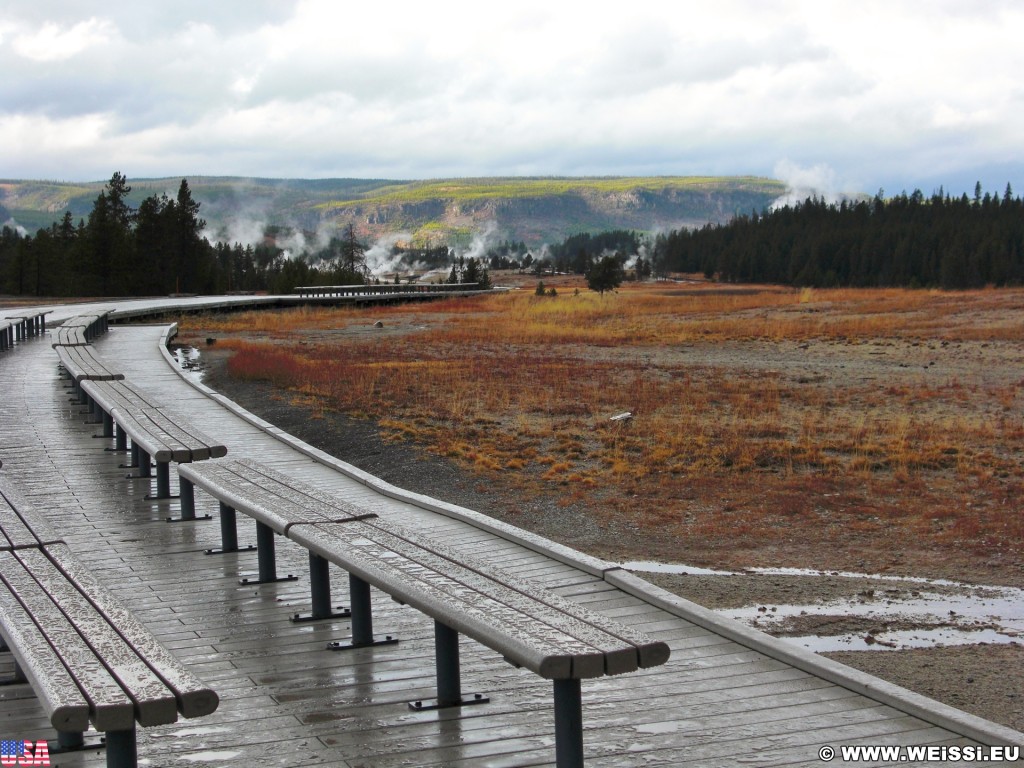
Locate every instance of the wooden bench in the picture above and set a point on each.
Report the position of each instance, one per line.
(81, 330)
(159, 434)
(83, 363)
(86, 656)
(529, 626)
(31, 322)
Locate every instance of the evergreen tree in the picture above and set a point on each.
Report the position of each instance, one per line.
(605, 274)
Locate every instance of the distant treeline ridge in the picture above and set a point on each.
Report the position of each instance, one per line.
(908, 240)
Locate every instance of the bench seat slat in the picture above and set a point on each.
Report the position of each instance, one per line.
(75, 331)
(162, 432)
(21, 523)
(200, 444)
(111, 709)
(83, 363)
(311, 494)
(150, 436)
(548, 653)
(154, 703)
(57, 690)
(164, 438)
(70, 336)
(243, 486)
(194, 699)
(113, 394)
(625, 649)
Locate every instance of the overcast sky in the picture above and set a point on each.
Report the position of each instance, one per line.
(843, 95)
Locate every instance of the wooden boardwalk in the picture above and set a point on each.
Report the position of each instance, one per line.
(727, 696)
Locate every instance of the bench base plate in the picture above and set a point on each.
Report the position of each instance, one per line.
(341, 645)
(246, 548)
(88, 742)
(302, 618)
(186, 519)
(257, 580)
(466, 701)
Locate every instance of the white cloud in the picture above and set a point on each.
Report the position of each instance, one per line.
(53, 43)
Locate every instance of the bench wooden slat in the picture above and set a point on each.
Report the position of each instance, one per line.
(515, 634)
(50, 679)
(83, 362)
(22, 524)
(162, 432)
(154, 703)
(244, 484)
(625, 649)
(164, 437)
(111, 709)
(118, 394)
(149, 432)
(194, 699)
(78, 330)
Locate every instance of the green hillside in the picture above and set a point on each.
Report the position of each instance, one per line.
(534, 209)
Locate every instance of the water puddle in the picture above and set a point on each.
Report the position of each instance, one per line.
(190, 360)
(902, 639)
(940, 612)
(649, 566)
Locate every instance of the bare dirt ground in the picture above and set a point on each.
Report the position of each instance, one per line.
(849, 377)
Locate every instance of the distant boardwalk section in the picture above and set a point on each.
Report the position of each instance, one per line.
(384, 292)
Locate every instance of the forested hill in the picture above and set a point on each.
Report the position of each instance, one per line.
(534, 210)
(908, 240)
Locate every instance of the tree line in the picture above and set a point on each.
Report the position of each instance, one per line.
(908, 240)
(159, 249)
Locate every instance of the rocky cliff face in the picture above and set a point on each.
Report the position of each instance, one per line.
(550, 218)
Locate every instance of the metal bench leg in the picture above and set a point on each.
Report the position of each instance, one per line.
(362, 618)
(108, 425)
(320, 592)
(140, 461)
(568, 724)
(187, 494)
(163, 482)
(122, 751)
(267, 558)
(120, 440)
(449, 684)
(228, 532)
(70, 740)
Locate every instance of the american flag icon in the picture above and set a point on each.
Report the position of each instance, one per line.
(10, 751)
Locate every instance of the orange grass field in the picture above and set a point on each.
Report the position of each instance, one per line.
(837, 429)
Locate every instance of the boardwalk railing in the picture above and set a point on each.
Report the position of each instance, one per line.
(355, 291)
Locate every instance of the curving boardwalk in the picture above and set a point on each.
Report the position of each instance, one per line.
(728, 695)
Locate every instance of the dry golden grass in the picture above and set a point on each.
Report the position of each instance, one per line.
(727, 455)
